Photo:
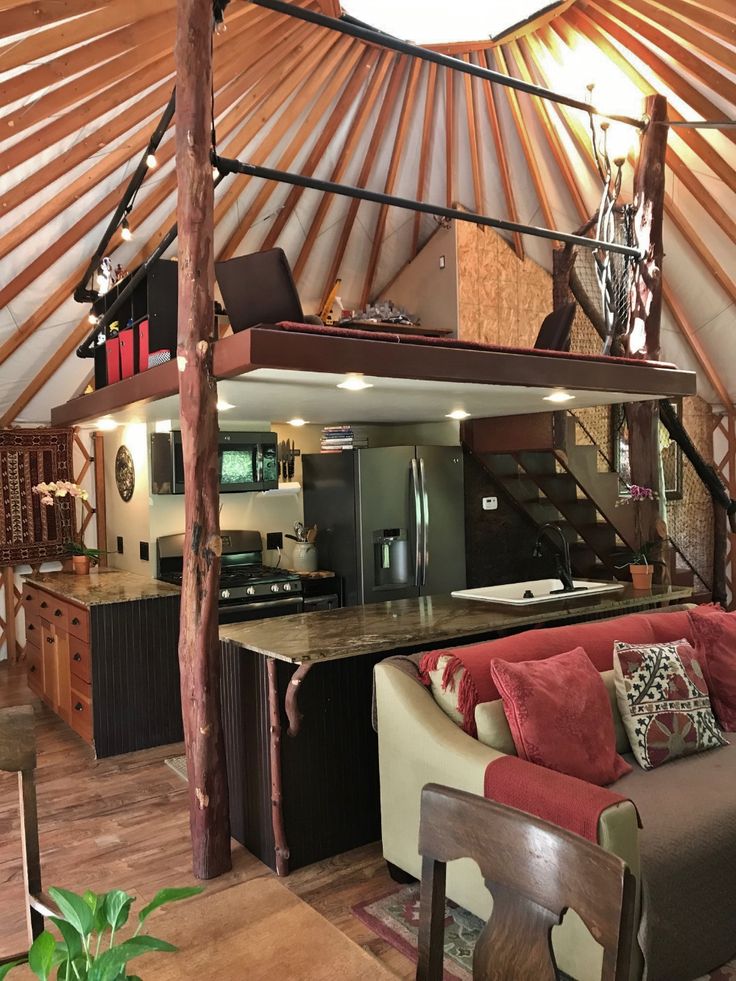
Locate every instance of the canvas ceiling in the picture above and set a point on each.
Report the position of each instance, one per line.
(84, 83)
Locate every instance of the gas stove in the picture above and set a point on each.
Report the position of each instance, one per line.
(249, 590)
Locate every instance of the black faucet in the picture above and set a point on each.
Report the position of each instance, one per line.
(562, 564)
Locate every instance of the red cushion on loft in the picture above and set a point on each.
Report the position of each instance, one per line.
(357, 334)
(560, 716)
(555, 797)
(714, 634)
(596, 636)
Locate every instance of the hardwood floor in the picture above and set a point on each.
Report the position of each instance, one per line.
(123, 822)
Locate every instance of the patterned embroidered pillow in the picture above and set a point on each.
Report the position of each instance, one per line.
(664, 703)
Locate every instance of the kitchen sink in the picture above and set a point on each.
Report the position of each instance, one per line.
(537, 591)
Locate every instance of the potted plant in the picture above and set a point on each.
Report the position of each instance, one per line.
(91, 948)
(641, 564)
(63, 495)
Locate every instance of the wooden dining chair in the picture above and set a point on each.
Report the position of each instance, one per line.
(18, 755)
(535, 871)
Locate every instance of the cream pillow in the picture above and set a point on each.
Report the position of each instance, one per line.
(493, 729)
(622, 740)
(447, 699)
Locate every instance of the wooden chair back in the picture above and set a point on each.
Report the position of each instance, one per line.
(18, 755)
(535, 871)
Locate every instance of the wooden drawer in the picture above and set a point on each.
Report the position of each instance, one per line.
(33, 630)
(78, 625)
(80, 661)
(30, 602)
(54, 610)
(81, 709)
(34, 663)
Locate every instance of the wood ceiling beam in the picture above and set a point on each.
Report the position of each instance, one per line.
(402, 127)
(449, 137)
(325, 82)
(683, 54)
(337, 117)
(279, 66)
(721, 22)
(659, 15)
(677, 84)
(40, 13)
(89, 28)
(352, 138)
(232, 56)
(694, 139)
(503, 165)
(471, 116)
(524, 138)
(399, 68)
(425, 150)
(582, 142)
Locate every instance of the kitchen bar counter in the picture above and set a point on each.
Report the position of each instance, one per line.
(102, 586)
(426, 622)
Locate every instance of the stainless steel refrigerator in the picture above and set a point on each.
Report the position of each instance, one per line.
(391, 520)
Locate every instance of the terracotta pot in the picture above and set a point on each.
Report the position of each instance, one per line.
(641, 576)
(81, 564)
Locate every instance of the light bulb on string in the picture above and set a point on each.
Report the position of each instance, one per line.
(92, 318)
(125, 232)
(151, 161)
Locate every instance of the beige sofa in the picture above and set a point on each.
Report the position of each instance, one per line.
(420, 743)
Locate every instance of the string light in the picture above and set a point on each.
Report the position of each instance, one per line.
(93, 319)
(151, 161)
(126, 233)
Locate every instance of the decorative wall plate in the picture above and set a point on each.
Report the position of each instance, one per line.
(124, 473)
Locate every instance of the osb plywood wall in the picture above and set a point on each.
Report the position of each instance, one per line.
(501, 300)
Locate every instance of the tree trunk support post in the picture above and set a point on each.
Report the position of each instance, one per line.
(642, 338)
(199, 657)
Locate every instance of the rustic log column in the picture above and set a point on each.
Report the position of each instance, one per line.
(642, 338)
(199, 655)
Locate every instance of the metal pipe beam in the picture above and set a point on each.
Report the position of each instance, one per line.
(348, 25)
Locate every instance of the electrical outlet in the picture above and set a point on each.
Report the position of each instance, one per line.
(143, 551)
(274, 539)
(490, 503)
(120, 544)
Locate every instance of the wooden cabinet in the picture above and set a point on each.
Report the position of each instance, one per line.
(110, 671)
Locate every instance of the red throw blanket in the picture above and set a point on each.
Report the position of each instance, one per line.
(596, 637)
(358, 334)
(565, 801)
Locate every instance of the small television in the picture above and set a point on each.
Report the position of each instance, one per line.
(246, 462)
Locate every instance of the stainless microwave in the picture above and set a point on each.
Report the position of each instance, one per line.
(245, 462)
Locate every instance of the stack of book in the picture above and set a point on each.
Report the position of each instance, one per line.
(335, 439)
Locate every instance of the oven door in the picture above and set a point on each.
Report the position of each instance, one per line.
(260, 609)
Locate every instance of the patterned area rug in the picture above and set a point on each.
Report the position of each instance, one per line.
(395, 918)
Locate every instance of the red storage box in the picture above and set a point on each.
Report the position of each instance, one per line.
(127, 353)
(112, 359)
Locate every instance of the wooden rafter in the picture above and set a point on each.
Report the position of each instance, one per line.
(407, 108)
(449, 137)
(426, 148)
(472, 117)
(663, 16)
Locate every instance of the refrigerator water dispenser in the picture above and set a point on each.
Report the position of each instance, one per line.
(391, 558)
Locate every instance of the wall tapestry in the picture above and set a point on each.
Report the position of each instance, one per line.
(30, 532)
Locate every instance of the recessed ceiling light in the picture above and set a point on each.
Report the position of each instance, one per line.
(559, 397)
(223, 406)
(297, 422)
(355, 383)
(457, 414)
(107, 424)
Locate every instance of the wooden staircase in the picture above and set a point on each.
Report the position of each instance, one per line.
(537, 463)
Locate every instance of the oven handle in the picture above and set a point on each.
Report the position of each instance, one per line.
(261, 604)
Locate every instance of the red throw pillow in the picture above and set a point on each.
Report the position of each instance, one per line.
(560, 715)
(714, 633)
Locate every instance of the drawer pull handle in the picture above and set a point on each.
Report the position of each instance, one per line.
(31, 627)
(58, 613)
(75, 621)
(77, 657)
(32, 668)
(44, 604)
(79, 707)
(49, 640)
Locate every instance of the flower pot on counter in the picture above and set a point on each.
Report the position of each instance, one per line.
(81, 564)
(641, 576)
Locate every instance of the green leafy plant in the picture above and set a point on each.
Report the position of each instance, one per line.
(90, 948)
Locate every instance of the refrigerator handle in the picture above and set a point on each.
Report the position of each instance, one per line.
(417, 520)
(425, 510)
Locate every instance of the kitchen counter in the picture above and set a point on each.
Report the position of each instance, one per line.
(423, 623)
(102, 586)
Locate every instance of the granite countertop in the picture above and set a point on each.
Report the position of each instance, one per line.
(102, 586)
(426, 622)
